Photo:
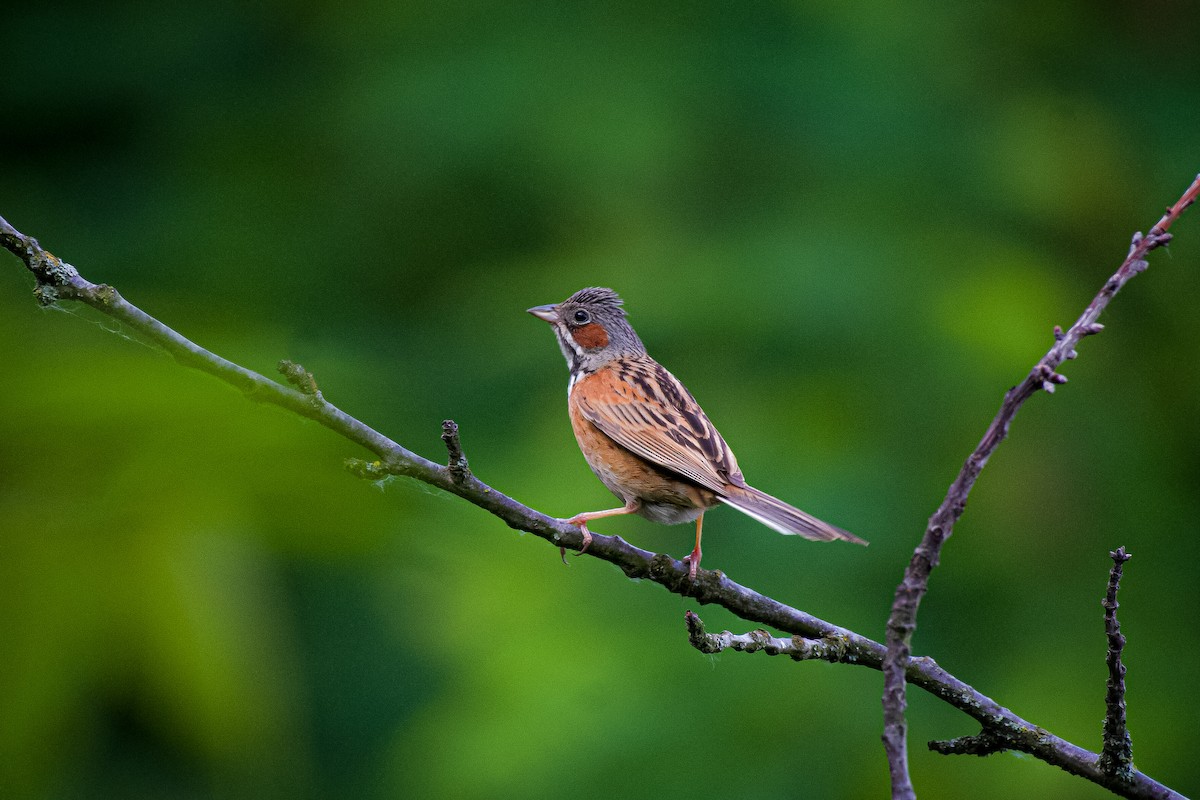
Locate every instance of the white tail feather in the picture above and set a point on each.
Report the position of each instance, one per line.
(779, 516)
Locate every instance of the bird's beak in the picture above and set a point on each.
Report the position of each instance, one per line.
(548, 313)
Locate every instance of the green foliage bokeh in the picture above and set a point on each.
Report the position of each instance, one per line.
(847, 227)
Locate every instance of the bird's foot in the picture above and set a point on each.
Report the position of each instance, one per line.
(693, 562)
(581, 521)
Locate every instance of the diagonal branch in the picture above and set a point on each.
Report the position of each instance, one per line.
(59, 281)
(902, 621)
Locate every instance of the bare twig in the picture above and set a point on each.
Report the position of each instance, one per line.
(830, 648)
(903, 618)
(1116, 755)
(984, 743)
(459, 470)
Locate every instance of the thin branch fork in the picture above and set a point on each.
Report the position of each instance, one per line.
(902, 620)
(1115, 762)
(1001, 729)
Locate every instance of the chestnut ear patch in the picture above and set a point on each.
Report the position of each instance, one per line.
(590, 336)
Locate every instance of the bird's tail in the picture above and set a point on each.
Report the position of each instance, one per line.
(780, 516)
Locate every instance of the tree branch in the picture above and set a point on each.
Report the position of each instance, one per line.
(1116, 756)
(1001, 728)
(983, 743)
(902, 621)
(833, 648)
(57, 280)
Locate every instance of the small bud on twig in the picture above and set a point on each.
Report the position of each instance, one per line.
(300, 378)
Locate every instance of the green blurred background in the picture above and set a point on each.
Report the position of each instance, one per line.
(847, 227)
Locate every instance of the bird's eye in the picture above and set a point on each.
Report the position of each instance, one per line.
(581, 317)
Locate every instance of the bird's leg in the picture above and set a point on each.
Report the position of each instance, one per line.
(693, 560)
(630, 507)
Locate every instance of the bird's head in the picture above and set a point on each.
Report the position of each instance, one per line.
(591, 328)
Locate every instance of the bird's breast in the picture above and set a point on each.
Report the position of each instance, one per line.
(666, 498)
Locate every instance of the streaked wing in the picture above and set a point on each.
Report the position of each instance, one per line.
(645, 409)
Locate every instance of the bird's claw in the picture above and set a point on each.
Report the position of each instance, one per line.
(587, 539)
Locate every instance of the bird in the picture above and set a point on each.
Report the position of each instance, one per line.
(645, 436)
